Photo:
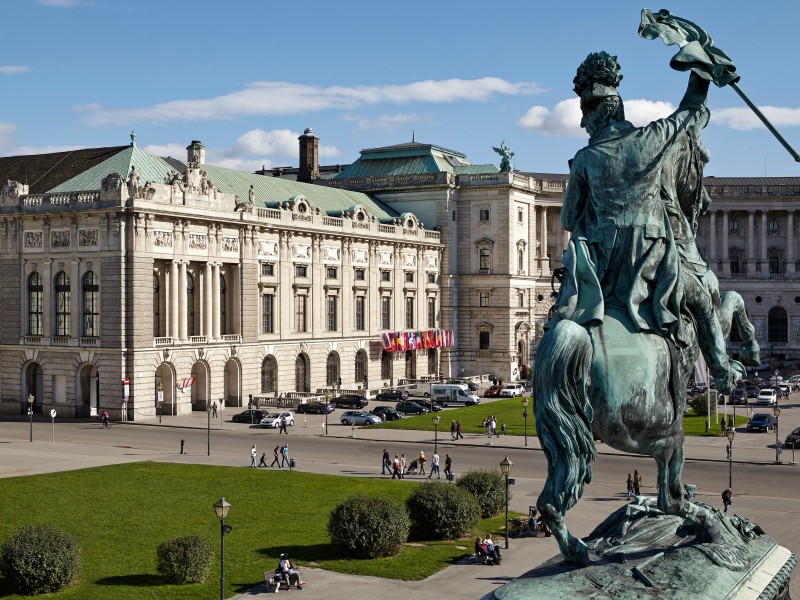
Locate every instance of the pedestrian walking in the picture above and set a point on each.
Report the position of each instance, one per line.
(637, 482)
(403, 466)
(453, 430)
(489, 429)
(726, 498)
(435, 466)
(253, 454)
(458, 431)
(263, 462)
(282, 428)
(214, 409)
(421, 462)
(285, 453)
(276, 462)
(396, 468)
(731, 426)
(448, 467)
(629, 486)
(494, 427)
(386, 465)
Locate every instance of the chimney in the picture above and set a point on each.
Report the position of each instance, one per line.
(196, 152)
(309, 157)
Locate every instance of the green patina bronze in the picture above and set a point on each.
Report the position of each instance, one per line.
(507, 154)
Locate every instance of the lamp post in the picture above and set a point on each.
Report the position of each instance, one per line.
(776, 410)
(160, 399)
(30, 411)
(436, 419)
(525, 417)
(221, 509)
(327, 414)
(730, 434)
(505, 468)
(208, 412)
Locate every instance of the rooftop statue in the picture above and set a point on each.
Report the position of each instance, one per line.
(638, 301)
(507, 154)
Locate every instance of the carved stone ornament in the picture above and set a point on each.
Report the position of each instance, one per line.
(60, 238)
(409, 260)
(431, 261)
(33, 239)
(198, 241)
(385, 258)
(11, 191)
(112, 181)
(268, 248)
(162, 239)
(331, 253)
(230, 244)
(301, 250)
(359, 256)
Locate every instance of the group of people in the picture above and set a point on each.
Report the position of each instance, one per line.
(490, 423)
(634, 484)
(398, 467)
(487, 547)
(455, 431)
(726, 425)
(280, 457)
(287, 571)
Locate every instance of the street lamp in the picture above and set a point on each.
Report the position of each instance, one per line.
(505, 468)
(730, 434)
(436, 419)
(525, 417)
(30, 411)
(208, 412)
(221, 509)
(776, 410)
(160, 399)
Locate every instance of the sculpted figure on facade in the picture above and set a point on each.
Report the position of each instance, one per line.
(133, 183)
(507, 154)
(112, 182)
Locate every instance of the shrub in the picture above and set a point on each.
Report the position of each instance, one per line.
(699, 404)
(41, 559)
(185, 559)
(368, 527)
(442, 511)
(489, 489)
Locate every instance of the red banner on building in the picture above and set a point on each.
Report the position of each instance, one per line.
(398, 341)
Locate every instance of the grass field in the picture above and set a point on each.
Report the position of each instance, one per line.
(119, 515)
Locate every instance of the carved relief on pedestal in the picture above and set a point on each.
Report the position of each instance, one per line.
(230, 244)
(60, 238)
(162, 239)
(268, 248)
(87, 238)
(33, 239)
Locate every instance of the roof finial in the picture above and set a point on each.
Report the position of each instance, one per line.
(413, 136)
(133, 139)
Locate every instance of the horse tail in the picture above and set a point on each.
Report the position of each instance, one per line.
(563, 413)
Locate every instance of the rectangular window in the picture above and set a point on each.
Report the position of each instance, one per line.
(484, 261)
(431, 312)
(301, 270)
(268, 313)
(332, 273)
(360, 313)
(483, 340)
(410, 313)
(520, 216)
(733, 226)
(268, 269)
(483, 299)
(484, 214)
(331, 306)
(386, 276)
(521, 299)
(359, 275)
(773, 226)
(300, 313)
(409, 276)
(386, 312)
(431, 277)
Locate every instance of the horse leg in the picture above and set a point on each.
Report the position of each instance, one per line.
(670, 486)
(732, 311)
(572, 549)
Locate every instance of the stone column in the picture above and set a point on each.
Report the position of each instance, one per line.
(763, 260)
(712, 239)
(726, 261)
(173, 300)
(545, 260)
(790, 264)
(208, 302)
(215, 304)
(751, 242)
(183, 308)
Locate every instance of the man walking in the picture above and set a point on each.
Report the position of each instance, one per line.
(396, 468)
(448, 467)
(386, 465)
(214, 410)
(285, 452)
(282, 428)
(435, 466)
(402, 466)
(253, 454)
(276, 461)
(453, 430)
(726, 498)
(458, 431)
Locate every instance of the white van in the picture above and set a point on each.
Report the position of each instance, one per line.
(452, 394)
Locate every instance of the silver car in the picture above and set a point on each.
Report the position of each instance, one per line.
(359, 417)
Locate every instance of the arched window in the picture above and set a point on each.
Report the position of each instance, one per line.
(777, 325)
(300, 373)
(223, 307)
(269, 375)
(386, 365)
(35, 304)
(62, 304)
(332, 369)
(189, 304)
(91, 305)
(156, 306)
(361, 366)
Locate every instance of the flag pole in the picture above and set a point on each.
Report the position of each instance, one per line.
(766, 122)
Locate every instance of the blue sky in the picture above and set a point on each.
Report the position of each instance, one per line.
(247, 77)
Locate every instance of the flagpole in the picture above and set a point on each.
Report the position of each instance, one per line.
(766, 122)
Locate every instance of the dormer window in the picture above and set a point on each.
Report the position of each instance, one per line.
(301, 208)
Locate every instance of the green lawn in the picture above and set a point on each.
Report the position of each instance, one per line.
(509, 411)
(119, 515)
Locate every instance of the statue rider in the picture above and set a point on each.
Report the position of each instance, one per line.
(622, 254)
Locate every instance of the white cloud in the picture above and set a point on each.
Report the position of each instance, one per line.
(744, 118)
(281, 98)
(384, 121)
(565, 118)
(164, 150)
(13, 70)
(282, 142)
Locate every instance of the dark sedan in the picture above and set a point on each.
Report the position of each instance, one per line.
(250, 416)
(387, 413)
(411, 408)
(391, 395)
(315, 408)
(350, 401)
(760, 422)
(429, 405)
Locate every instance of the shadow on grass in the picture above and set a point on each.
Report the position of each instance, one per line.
(304, 554)
(140, 580)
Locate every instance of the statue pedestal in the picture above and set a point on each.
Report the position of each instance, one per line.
(641, 553)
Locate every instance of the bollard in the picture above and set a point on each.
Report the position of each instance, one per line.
(181, 445)
(353, 430)
(305, 421)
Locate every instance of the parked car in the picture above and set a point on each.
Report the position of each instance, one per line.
(785, 389)
(429, 404)
(253, 415)
(511, 390)
(359, 417)
(793, 439)
(391, 395)
(349, 401)
(387, 413)
(492, 392)
(471, 385)
(316, 408)
(739, 396)
(410, 407)
(767, 396)
(274, 419)
(760, 422)
(752, 391)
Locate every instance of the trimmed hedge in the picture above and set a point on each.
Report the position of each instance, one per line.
(185, 559)
(368, 527)
(489, 489)
(442, 511)
(41, 559)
